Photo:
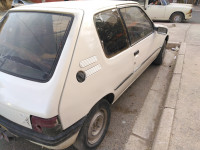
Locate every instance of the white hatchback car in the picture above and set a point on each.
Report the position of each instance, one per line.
(63, 64)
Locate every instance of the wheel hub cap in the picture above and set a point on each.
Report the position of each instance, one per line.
(97, 126)
(177, 19)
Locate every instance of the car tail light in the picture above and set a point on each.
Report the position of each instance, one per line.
(49, 126)
(190, 11)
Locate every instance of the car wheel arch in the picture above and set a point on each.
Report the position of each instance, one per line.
(177, 12)
(109, 97)
(167, 38)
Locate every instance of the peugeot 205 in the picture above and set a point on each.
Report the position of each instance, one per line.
(63, 64)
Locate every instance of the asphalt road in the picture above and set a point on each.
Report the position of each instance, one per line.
(124, 111)
(195, 17)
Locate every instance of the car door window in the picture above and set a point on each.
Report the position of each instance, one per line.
(154, 2)
(138, 24)
(111, 32)
(165, 2)
(20, 2)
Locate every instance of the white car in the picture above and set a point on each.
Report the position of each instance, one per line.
(63, 64)
(163, 10)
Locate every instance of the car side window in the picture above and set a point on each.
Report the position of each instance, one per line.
(154, 2)
(20, 2)
(112, 32)
(138, 24)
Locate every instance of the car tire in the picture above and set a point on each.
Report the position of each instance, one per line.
(95, 127)
(177, 17)
(160, 57)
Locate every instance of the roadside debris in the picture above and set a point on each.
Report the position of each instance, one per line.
(173, 25)
(123, 122)
(175, 49)
(173, 45)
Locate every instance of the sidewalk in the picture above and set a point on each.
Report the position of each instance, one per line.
(179, 128)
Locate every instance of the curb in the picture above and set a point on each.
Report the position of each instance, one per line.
(162, 138)
(147, 120)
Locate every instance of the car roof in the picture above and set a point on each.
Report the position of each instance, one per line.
(83, 5)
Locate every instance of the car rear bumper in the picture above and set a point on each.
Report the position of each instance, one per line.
(188, 16)
(39, 138)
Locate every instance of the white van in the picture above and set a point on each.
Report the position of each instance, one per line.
(63, 64)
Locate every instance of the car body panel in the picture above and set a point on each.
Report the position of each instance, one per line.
(152, 11)
(85, 50)
(183, 8)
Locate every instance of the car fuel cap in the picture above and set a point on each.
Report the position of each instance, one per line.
(80, 76)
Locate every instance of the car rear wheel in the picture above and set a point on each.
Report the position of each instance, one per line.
(95, 127)
(176, 17)
(160, 57)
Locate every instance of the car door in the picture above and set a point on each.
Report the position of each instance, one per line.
(116, 47)
(141, 34)
(156, 10)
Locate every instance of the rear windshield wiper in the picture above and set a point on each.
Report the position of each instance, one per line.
(25, 62)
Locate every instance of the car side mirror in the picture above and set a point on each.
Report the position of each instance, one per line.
(161, 30)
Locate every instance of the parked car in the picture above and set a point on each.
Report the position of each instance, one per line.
(69, 63)
(17, 3)
(163, 10)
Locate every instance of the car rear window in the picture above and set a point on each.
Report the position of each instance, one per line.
(31, 43)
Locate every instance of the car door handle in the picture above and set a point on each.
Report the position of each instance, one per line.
(136, 53)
